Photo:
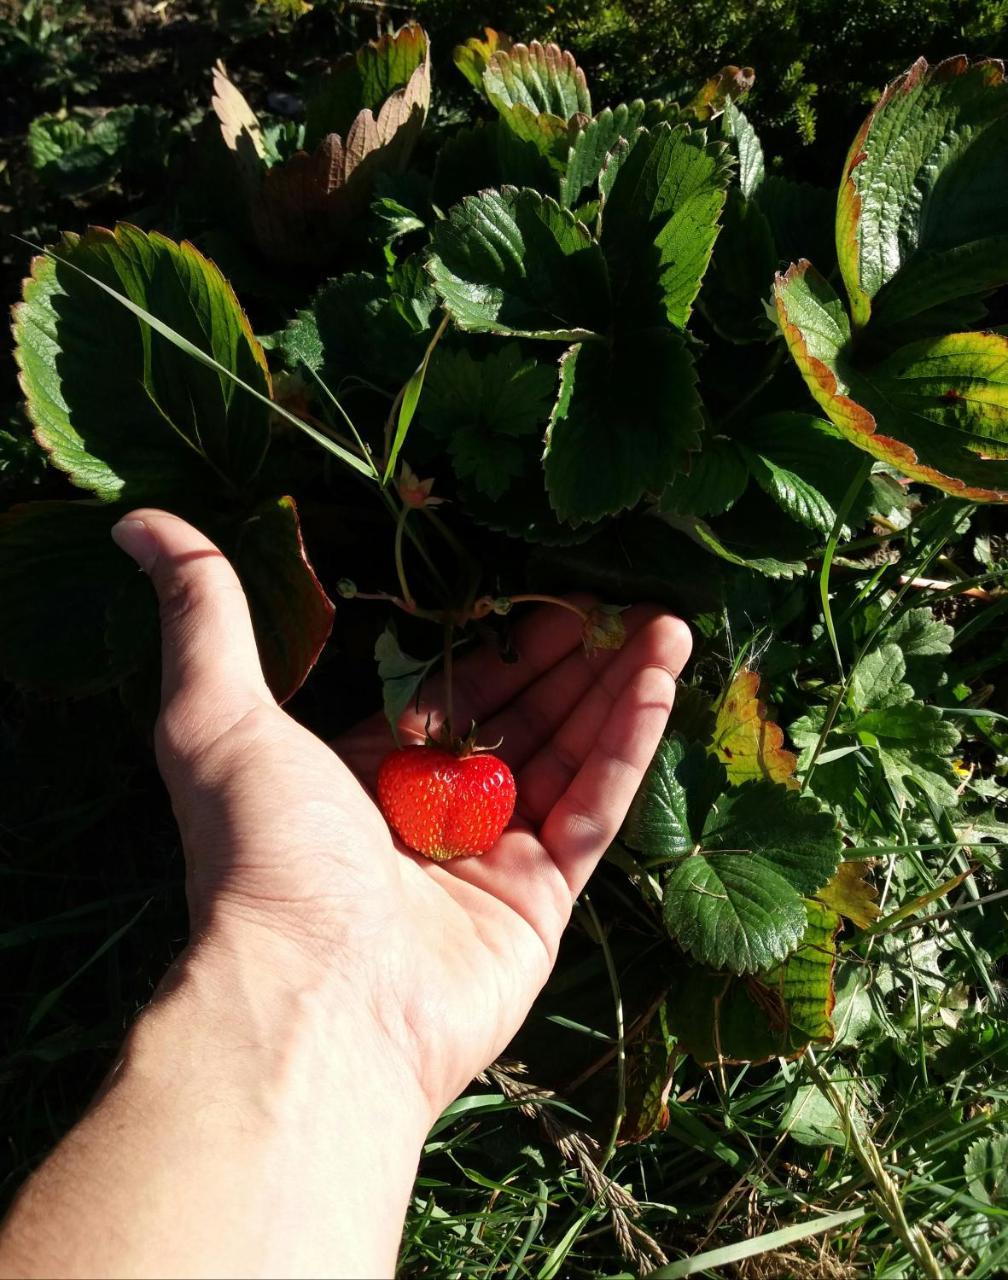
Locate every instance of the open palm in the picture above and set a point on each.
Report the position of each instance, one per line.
(284, 841)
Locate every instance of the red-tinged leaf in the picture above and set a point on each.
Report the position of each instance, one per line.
(472, 57)
(364, 81)
(924, 199)
(291, 612)
(746, 740)
(302, 208)
(543, 78)
(897, 411)
(730, 84)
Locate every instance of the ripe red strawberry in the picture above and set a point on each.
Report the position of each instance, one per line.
(446, 805)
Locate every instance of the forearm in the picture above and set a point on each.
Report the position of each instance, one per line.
(251, 1127)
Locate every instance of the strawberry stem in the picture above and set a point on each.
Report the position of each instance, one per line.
(563, 604)
(449, 650)
(399, 563)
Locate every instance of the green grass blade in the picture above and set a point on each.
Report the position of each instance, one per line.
(732, 1253)
(190, 349)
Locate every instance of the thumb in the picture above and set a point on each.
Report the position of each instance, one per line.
(210, 669)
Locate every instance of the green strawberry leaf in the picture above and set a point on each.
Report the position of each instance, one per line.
(623, 424)
(743, 858)
(924, 194)
(592, 145)
(877, 680)
(735, 902)
(912, 743)
(745, 545)
(747, 147)
(511, 262)
(717, 476)
(800, 499)
(482, 409)
(804, 465)
(986, 1169)
(925, 644)
(542, 79)
(662, 200)
(117, 406)
(73, 154)
(401, 675)
(356, 325)
(936, 410)
(773, 1014)
(668, 812)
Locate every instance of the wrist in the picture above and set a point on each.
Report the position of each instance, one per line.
(275, 1094)
(286, 1032)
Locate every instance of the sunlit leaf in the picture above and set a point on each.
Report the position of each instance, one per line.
(717, 1017)
(924, 195)
(472, 57)
(365, 121)
(365, 80)
(746, 741)
(852, 894)
(741, 861)
(936, 410)
(541, 78)
(117, 406)
(662, 199)
(511, 262)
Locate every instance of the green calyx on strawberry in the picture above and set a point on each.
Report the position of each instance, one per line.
(447, 798)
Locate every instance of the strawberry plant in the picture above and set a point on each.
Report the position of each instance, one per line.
(552, 346)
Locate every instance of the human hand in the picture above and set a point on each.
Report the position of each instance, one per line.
(292, 866)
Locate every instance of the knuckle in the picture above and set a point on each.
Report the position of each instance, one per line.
(184, 596)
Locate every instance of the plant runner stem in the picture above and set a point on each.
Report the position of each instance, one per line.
(449, 649)
(399, 564)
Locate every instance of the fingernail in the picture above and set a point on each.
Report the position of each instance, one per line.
(133, 537)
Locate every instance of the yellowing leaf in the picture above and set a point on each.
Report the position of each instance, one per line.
(747, 742)
(650, 1066)
(728, 85)
(935, 409)
(852, 894)
(472, 57)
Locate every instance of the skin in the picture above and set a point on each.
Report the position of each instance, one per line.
(268, 1109)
